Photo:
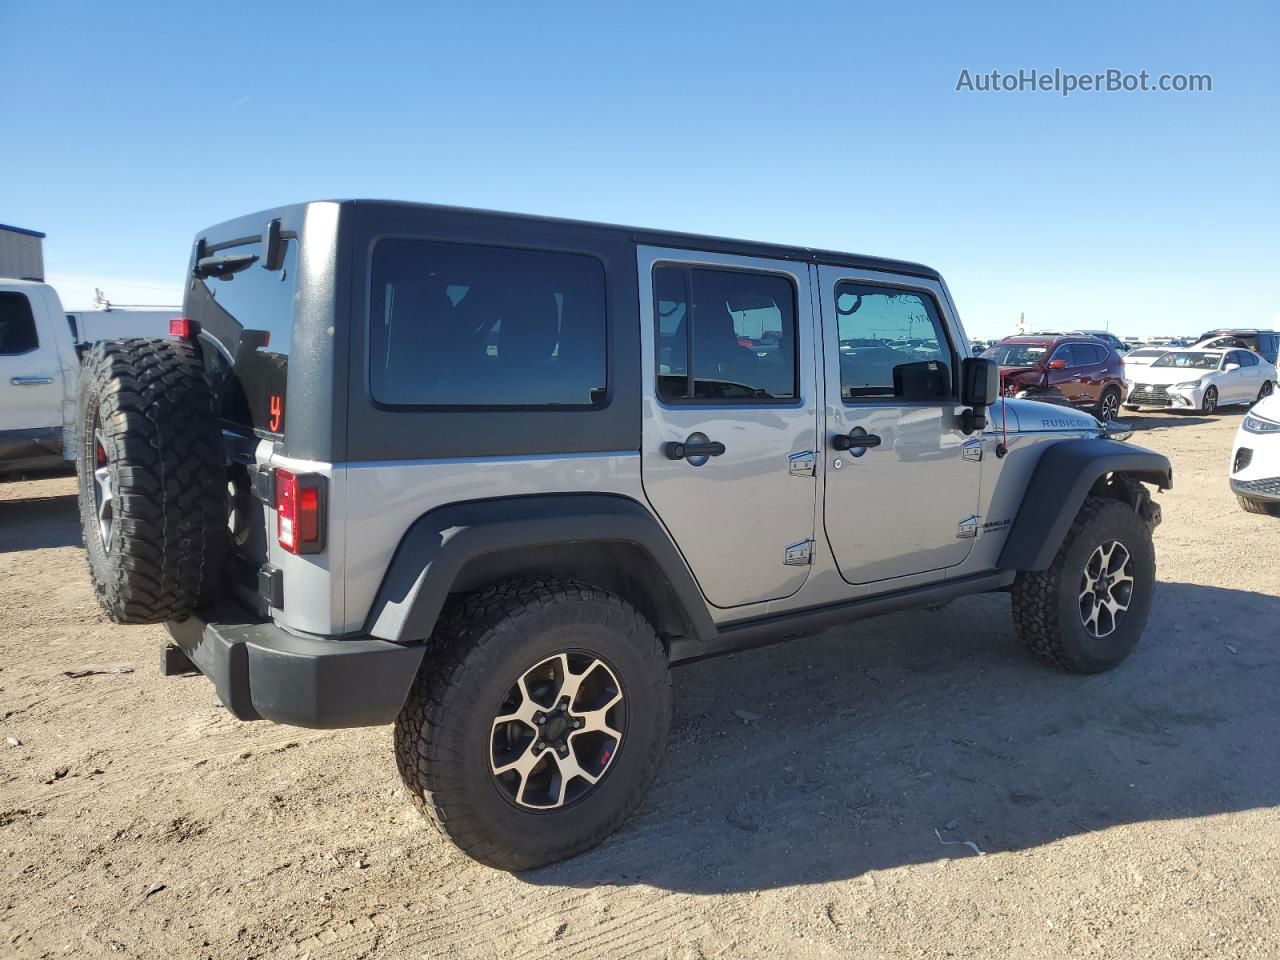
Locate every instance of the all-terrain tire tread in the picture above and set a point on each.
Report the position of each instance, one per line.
(1035, 593)
(468, 624)
(162, 437)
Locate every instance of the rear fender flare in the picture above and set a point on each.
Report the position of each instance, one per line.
(465, 546)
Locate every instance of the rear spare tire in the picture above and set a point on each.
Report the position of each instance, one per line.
(153, 511)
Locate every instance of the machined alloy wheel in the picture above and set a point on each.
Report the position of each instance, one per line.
(1210, 401)
(559, 728)
(1109, 406)
(1106, 588)
(537, 721)
(1266, 390)
(1087, 610)
(103, 490)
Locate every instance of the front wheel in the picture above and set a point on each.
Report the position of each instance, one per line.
(1210, 401)
(538, 723)
(1086, 612)
(1270, 508)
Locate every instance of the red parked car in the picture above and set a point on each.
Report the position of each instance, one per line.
(1082, 371)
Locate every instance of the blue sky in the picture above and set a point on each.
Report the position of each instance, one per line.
(827, 124)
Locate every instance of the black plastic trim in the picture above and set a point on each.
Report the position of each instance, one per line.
(262, 672)
(433, 553)
(762, 631)
(1063, 477)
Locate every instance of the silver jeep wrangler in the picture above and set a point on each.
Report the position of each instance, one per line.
(488, 476)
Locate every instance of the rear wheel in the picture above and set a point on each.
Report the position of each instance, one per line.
(152, 480)
(1086, 612)
(1210, 401)
(538, 722)
(1266, 390)
(1270, 508)
(1108, 404)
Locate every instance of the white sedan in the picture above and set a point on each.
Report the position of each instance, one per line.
(1200, 380)
(1143, 357)
(1255, 458)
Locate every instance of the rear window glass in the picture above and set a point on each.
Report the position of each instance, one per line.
(17, 325)
(463, 325)
(246, 324)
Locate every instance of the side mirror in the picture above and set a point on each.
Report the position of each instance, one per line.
(923, 380)
(979, 381)
(1058, 364)
(1232, 366)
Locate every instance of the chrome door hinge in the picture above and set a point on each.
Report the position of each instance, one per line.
(803, 464)
(799, 554)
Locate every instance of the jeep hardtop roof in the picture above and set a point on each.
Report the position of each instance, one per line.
(646, 235)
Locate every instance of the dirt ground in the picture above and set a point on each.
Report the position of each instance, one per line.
(1131, 814)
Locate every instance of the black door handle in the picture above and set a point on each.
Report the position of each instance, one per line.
(855, 441)
(675, 450)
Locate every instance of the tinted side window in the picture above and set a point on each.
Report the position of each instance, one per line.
(1090, 353)
(1249, 358)
(739, 328)
(17, 325)
(892, 344)
(249, 312)
(456, 324)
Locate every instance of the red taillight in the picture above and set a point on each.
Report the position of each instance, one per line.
(181, 327)
(298, 512)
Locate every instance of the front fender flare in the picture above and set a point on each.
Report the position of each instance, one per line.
(1063, 477)
(440, 544)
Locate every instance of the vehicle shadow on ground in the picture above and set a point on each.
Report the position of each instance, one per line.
(1140, 422)
(39, 522)
(850, 749)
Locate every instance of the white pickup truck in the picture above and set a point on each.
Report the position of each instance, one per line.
(40, 346)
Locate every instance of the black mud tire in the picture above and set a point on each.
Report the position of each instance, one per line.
(146, 416)
(1046, 610)
(443, 734)
(1269, 508)
(1108, 405)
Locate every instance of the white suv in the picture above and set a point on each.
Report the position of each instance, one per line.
(1255, 458)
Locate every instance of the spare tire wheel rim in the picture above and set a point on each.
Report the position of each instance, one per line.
(103, 491)
(557, 731)
(1106, 588)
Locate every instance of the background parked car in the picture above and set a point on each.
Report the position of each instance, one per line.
(1200, 380)
(1081, 371)
(1118, 345)
(1255, 458)
(1266, 343)
(1142, 357)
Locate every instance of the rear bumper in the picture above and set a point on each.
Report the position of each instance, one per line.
(262, 672)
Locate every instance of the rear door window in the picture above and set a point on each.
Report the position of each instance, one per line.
(464, 325)
(1089, 354)
(17, 325)
(740, 329)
